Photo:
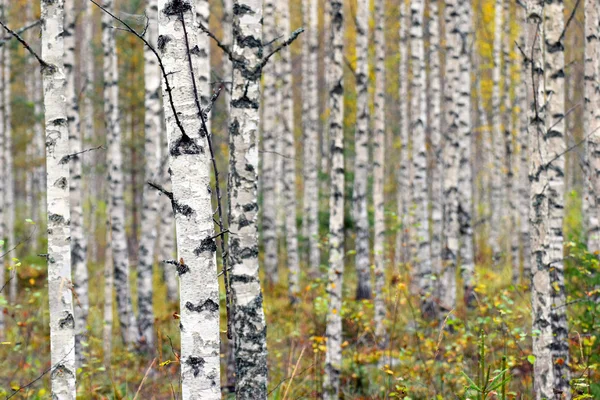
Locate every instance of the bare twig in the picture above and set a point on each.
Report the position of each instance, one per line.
(144, 379)
(43, 63)
(69, 157)
(19, 31)
(161, 189)
(222, 46)
(289, 41)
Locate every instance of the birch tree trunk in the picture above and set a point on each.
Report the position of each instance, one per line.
(497, 205)
(189, 164)
(2, 184)
(465, 172)
(592, 124)
(269, 173)
(447, 284)
(150, 215)
(311, 138)
(115, 178)
(378, 174)
(403, 195)
(554, 84)
(78, 242)
(435, 131)
(249, 323)
(422, 260)
(289, 160)
(361, 161)
(62, 323)
(109, 280)
(9, 184)
(333, 330)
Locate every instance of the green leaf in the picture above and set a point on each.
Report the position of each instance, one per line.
(29, 221)
(531, 359)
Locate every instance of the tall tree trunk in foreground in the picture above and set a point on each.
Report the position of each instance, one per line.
(465, 172)
(435, 129)
(2, 183)
(378, 173)
(554, 82)
(333, 332)
(249, 325)
(447, 284)
(152, 128)
(361, 161)
(403, 194)
(311, 137)
(592, 124)
(189, 163)
(115, 178)
(289, 160)
(109, 280)
(78, 241)
(497, 204)
(9, 183)
(269, 173)
(422, 260)
(62, 323)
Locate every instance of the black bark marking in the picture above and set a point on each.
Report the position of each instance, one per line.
(182, 269)
(207, 244)
(182, 209)
(162, 42)
(195, 363)
(185, 145)
(209, 305)
(56, 218)
(67, 321)
(61, 183)
(177, 7)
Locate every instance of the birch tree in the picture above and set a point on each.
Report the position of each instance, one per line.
(333, 330)
(249, 325)
(403, 195)
(78, 242)
(269, 173)
(361, 161)
(289, 159)
(115, 179)
(62, 323)
(189, 163)
(311, 136)
(378, 173)
(150, 200)
(109, 279)
(592, 123)
(2, 182)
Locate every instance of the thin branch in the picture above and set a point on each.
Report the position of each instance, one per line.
(289, 41)
(19, 31)
(71, 156)
(562, 35)
(222, 46)
(27, 239)
(161, 189)
(43, 63)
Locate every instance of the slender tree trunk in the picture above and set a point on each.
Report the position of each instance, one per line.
(310, 113)
(9, 190)
(422, 260)
(227, 39)
(87, 64)
(333, 331)
(115, 178)
(189, 163)
(150, 199)
(378, 174)
(269, 176)
(435, 131)
(451, 235)
(166, 229)
(289, 160)
(109, 281)
(465, 172)
(78, 242)
(497, 204)
(592, 125)
(361, 161)
(2, 184)
(403, 194)
(249, 325)
(62, 323)
(554, 84)
(30, 189)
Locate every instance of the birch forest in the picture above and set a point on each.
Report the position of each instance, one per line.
(300, 199)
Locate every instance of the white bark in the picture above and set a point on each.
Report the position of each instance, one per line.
(2, 183)
(115, 178)
(592, 124)
(269, 173)
(189, 163)
(496, 198)
(78, 241)
(150, 197)
(310, 103)
(289, 160)
(109, 281)
(333, 330)
(403, 195)
(379, 174)
(361, 160)
(62, 323)
(249, 325)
